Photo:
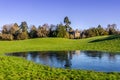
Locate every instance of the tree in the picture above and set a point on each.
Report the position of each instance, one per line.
(53, 31)
(101, 31)
(112, 29)
(62, 32)
(22, 36)
(9, 30)
(71, 34)
(14, 29)
(0, 35)
(22, 33)
(43, 31)
(67, 23)
(24, 26)
(6, 29)
(33, 32)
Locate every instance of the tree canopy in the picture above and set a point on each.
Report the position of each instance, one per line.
(22, 31)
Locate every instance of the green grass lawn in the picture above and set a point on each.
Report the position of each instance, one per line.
(12, 68)
(104, 43)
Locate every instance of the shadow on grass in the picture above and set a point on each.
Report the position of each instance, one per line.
(107, 38)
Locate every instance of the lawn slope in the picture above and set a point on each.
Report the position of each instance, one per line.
(12, 68)
(104, 43)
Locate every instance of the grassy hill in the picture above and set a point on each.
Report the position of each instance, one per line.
(12, 68)
(104, 43)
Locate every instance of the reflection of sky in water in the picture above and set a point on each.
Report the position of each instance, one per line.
(89, 60)
(105, 63)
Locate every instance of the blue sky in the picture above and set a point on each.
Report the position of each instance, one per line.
(82, 13)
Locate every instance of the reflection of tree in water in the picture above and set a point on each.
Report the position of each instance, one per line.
(60, 56)
(68, 59)
(94, 54)
(33, 55)
(44, 55)
(19, 54)
(112, 56)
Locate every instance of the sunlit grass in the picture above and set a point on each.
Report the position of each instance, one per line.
(45, 44)
(12, 68)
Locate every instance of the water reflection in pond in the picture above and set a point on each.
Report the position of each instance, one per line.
(88, 60)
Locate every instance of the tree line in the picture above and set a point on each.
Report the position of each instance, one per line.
(22, 31)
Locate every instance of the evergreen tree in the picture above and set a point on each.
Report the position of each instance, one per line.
(24, 26)
(67, 23)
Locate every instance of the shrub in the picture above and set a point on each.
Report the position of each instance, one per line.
(71, 36)
(22, 36)
(7, 37)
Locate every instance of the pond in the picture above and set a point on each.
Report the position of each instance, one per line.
(85, 60)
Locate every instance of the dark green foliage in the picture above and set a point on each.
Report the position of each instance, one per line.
(101, 31)
(112, 29)
(33, 32)
(67, 23)
(53, 31)
(62, 31)
(91, 32)
(24, 26)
